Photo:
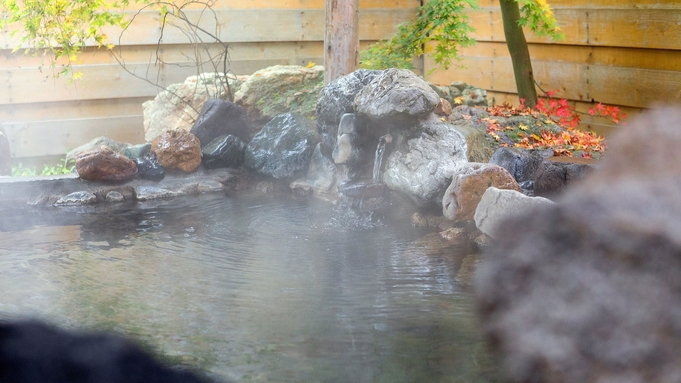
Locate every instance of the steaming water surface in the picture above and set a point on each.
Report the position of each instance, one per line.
(251, 289)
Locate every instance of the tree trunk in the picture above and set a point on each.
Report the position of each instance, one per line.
(341, 40)
(520, 55)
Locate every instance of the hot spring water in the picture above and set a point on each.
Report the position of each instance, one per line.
(251, 289)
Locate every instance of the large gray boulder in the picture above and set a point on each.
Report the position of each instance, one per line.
(335, 100)
(588, 289)
(178, 106)
(396, 96)
(497, 205)
(283, 147)
(280, 89)
(423, 163)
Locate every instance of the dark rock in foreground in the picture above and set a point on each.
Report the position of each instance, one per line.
(32, 352)
(589, 289)
(224, 152)
(103, 164)
(219, 118)
(149, 168)
(282, 149)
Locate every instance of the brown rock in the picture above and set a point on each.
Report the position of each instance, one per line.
(469, 183)
(177, 149)
(103, 164)
(444, 108)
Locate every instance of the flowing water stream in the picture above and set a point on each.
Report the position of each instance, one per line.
(251, 289)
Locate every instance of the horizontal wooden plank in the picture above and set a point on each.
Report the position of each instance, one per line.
(69, 110)
(621, 4)
(594, 55)
(633, 28)
(247, 25)
(627, 86)
(44, 138)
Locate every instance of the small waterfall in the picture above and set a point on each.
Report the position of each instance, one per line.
(378, 159)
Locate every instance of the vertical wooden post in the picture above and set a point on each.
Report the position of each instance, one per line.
(341, 38)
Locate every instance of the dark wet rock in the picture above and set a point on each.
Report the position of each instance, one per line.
(396, 96)
(118, 147)
(282, 149)
(220, 118)
(103, 164)
(522, 164)
(146, 193)
(280, 89)
(423, 162)
(77, 198)
(335, 100)
(137, 151)
(587, 290)
(552, 178)
(419, 219)
(210, 186)
(177, 149)
(470, 180)
(33, 352)
(114, 196)
(496, 205)
(176, 108)
(149, 168)
(224, 152)
(5, 155)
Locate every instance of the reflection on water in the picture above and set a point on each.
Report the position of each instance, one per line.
(251, 289)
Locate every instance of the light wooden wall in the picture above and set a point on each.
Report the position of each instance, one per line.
(43, 116)
(619, 52)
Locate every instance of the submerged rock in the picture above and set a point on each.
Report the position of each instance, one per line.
(396, 95)
(587, 290)
(469, 182)
(282, 149)
(103, 164)
(219, 118)
(224, 152)
(149, 168)
(77, 198)
(177, 149)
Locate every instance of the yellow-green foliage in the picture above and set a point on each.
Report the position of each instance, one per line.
(441, 28)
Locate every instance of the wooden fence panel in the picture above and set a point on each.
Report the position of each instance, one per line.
(46, 116)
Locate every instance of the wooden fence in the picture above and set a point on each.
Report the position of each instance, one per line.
(619, 52)
(43, 116)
